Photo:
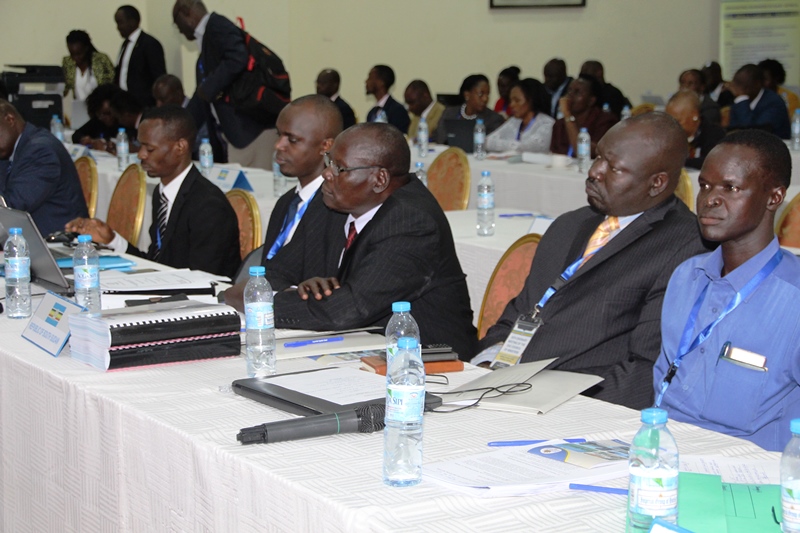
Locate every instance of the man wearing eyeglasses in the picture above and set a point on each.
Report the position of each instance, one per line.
(383, 239)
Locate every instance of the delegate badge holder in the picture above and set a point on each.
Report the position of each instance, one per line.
(519, 338)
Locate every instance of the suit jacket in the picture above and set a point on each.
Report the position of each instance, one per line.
(202, 230)
(223, 57)
(395, 113)
(43, 181)
(710, 111)
(615, 99)
(706, 138)
(348, 116)
(145, 65)
(552, 109)
(405, 252)
(770, 114)
(606, 319)
(278, 216)
(432, 119)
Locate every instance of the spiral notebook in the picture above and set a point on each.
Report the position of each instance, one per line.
(155, 334)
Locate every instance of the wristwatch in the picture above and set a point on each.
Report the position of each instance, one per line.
(570, 118)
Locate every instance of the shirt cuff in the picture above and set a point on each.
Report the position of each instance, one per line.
(488, 355)
(118, 244)
(741, 98)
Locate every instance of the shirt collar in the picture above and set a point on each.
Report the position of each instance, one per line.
(133, 37)
(382, 101)
(712, 265)
(172, 188)
(307, 192)
(428, 109)
(362, 220)
(559, 88)
(335, 97)
(757, 99)
(16, 143)
(200, 30)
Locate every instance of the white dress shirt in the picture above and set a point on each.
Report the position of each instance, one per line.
(125, 60)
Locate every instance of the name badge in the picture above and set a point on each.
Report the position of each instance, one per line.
(524, 329)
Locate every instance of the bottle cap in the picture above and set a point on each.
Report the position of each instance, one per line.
(407, 343)
(479, 121)
(121, 130)
(204, 140)
(584, 130)
(486, 174)
(257, 271)
(401, 307)
(84, 238)
(420, 164)
(654, 416)
(15, 231)
(55, 116)
(794, 426)
(421, 120)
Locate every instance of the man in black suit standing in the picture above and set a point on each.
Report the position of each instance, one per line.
(609, 264)
(379, 82)
(223, 57)
(141, 57)
(194, 225)
(328, 85)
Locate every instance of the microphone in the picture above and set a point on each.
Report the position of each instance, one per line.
(365, 419)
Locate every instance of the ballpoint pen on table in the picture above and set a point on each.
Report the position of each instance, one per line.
(513, 215)
(498, 443)
(299, 344)
(597, 488)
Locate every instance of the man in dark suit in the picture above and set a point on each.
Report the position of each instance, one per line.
(756, 106)
(141, 57)
(684, 106)
(605, 319)
(328, 85)
(379, 82)
(611, 95)
(556, 82)
(400, 247)
(194, 225)
(37, 174)
(223, 56)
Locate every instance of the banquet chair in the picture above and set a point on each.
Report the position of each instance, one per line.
(725, 116)
(449, 179)
(249, 217)
(641, 109)
(788, 226)
(87, 172)
(126, 208)
(507, 280)
(684, 190)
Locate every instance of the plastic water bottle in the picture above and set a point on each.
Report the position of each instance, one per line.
(606, 108)
(796, 130)
(421, 174)
(584, 151)
(626, 112)
(405, 402)
(18, 275)
(123, 149)
(278, 179)
(485, 205)
(380, 116)
(422, 138)
(206, 157)
(479, 140)
(57, 128)
(260, 322)
(86, 268)
(790, 480)
(402, 324)
(653, 470)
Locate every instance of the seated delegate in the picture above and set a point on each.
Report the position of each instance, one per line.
(529, 128)
(102, 126)
(580, 109)
(475, 93)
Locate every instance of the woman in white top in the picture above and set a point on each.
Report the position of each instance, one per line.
(529, 128)
(84, 68)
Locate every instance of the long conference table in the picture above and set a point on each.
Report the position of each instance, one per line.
(154, 449)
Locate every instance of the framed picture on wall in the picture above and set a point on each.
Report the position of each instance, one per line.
(536, 3)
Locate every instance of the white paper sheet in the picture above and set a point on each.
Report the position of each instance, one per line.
(156, 281)
(733, 469)
(342, 385)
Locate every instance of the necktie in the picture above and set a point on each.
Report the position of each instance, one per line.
(288, 224)
(600, 237)
(122, 52)
(162, 222)
(373, 113)
(351, 236)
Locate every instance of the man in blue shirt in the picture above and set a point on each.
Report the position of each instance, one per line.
(717, 384)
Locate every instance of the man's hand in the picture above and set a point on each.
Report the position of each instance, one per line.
(99, 230)
(317, 287)
(563, 105)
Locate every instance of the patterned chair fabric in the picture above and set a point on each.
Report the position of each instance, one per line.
(449, 179)
(684, 190)
(249, 217)
(126, 209)
(87, 172)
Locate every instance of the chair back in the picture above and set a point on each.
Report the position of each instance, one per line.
(249, 217)
(788, 226)
(507, 280)
(126, 209)
(449, 179)
(684, 190)
(641, 109)
(87, 172)
(725, 116)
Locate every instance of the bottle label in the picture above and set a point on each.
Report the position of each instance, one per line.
(259, 315)
(404, 403)
(790, 501)
(653, 492)
(479, 138)
(18, 267)
(86, 277)
(485, 200)
(583, 149)
(122, 148)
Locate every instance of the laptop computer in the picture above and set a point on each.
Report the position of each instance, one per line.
(44, 269)
(460, 133)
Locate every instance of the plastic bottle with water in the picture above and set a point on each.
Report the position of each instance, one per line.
(485, 205)
(57, 128)
(653, 473)
(796, 130)
(18, 275)
(402, 324)
(86, 267)
(423, 137)
(405, 403)
(626, 112)
(380, 116)
(260, 323)
(479, 140)
(206, 157)
(421, 174)
(123, 149)
(584, 151)
(278, 179)
(790, 481)
(606, 108)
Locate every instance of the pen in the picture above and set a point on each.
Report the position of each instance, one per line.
(511, 215)
(596, 488)
(299, 344)
(498, 443)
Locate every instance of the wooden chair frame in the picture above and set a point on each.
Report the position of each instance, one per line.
(463, 202)
(89, 195)
(133, 238)
(785, 213)
(255, 214)
(685, 191)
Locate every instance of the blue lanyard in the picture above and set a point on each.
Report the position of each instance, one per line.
(526, 128)
(687, 344)
(563, 278)
(285, 231)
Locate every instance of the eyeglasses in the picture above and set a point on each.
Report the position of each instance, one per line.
(336, 169)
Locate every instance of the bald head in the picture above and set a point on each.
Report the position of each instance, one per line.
(594, 69)
(665, 140)
(684, 107)
(417, 97)
(168, 89)
(384, 143)
(328, 82)
(555, 72)
(187, 14)
(320, 110)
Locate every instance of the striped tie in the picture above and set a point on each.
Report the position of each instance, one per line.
(600, 237)
(162, 222)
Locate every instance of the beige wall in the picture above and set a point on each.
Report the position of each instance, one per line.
(644, 44)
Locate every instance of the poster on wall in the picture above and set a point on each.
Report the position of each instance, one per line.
(753, 30)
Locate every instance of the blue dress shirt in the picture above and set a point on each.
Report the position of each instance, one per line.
(717, 394)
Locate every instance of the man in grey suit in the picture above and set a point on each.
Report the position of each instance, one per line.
(605, 318)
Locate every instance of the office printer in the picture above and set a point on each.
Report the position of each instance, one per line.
(36, 92)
